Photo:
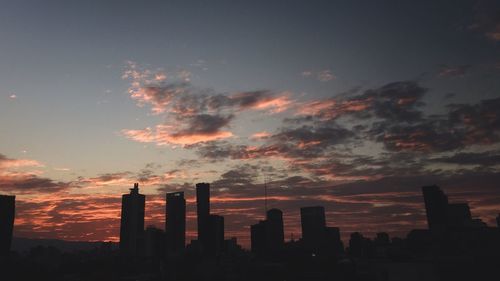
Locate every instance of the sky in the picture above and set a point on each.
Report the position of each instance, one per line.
(351, 105)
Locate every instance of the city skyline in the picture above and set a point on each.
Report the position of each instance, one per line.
(322, 104)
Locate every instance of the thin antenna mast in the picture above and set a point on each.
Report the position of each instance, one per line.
(265, 193)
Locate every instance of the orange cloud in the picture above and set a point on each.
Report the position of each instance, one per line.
(165, 135)
(260, 135)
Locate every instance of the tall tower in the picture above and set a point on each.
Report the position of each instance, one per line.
(313, 226)
(175, 224)
(436, 205)
(132, 222)
(203, 211)
(275, 236)
(7, 214)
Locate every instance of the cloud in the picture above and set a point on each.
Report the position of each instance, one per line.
(260, 135)
(396, 101)
(325, 75)
(17, 176)
(146, 176)
(487, 19)
(322, 75)
(479, 122)
(488, 158)
(386, 124)
(454, 71)
(7, 163)
(192, 115)
(200, 128)
(159, 96)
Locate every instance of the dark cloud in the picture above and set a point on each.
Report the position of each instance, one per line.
(28, 183)
(192, 115)
(397, 101)
(479, 122)
(488, 158)
(204, 124)
(426, 136)
(487, 19)
(22, 181)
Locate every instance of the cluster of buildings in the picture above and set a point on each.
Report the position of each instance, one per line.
(267, 236)
(447, 223)
(451, 229)
(137, 241)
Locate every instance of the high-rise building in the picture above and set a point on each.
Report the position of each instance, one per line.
(132, 223)
(267, 236)
(313, 226)
(175, 224)
(275, 236)
(258, 238)
(436, 206)
(215, 235)
(7, 214)
(203, 211)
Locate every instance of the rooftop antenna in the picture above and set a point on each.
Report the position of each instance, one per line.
(265, 193)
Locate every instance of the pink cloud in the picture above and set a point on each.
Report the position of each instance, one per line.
(166, 135)
(260, 135)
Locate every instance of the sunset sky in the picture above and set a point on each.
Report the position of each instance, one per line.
(352, 105)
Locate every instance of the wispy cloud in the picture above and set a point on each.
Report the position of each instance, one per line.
(454, 71)
(325, 75)
(193, 115)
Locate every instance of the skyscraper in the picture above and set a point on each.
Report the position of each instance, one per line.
(267, 236)
(215, 235)
(436, 205)
(132, 222)
(258, 238)
(313, 226)
(275, 236)
(7, 214)
(175, 225)
(203, 211)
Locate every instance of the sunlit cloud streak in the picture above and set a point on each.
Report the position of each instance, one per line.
(192, 115)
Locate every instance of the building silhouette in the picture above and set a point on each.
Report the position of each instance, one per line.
(132, 223)
(7, 214)
(458, 215)
(215, 236)
(313, 226)
(436, 205)
(498, 221)
(442, 215)
(154, 242)
(333, 243)
(175, 224)
(203, 212)
(274, 230)
(258, 238)
(267, 236)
